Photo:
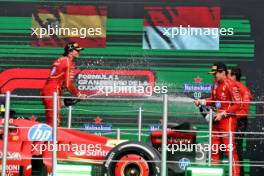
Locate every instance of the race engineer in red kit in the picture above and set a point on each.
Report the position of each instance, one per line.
(61, 76)
(227, 100)
(242, 114)
(235, 74)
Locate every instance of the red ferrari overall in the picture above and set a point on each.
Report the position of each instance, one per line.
(226, 90)
(242, 115)
(61, 76)
(246, 97)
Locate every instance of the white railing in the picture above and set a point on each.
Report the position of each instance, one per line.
(140, 131)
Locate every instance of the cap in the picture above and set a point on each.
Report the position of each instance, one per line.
(72, 46)
(216, 67)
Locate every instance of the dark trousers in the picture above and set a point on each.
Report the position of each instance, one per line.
(241, 127)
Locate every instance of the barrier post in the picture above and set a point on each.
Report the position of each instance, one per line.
(164, 136)
(69, 116)
(139, 124)
(210, 137)
(54, 133)
(6, 126)
(230, 156)
(118, 134)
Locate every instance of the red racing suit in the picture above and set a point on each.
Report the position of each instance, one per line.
(226, 90)
(61, 76)
(242, 122)
(246, 97)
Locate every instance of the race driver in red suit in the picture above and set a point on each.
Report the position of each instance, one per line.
(61, 76)
(227, 100)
